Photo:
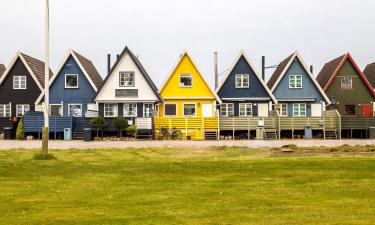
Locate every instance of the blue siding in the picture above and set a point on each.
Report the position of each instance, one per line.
(256, 89)
(308, 90)
(81, 95)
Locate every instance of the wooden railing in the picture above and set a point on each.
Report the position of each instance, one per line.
(357, 123)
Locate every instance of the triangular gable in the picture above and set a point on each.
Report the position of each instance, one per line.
(285, 67)
(242, 53)
(198, 72)
(140, 68)
(338, 68)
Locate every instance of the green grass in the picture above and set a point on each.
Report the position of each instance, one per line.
(187, 186)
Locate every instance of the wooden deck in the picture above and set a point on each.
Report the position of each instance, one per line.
(357, 123)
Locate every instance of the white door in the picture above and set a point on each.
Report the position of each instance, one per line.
(263, 110)
(207, 110)
(316, 110)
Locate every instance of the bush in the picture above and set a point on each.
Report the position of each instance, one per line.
(131, 130)
(20, 134)
(98, 123)
(120, 123)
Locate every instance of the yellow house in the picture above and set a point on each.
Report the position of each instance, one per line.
(189, 104)
(185, 93)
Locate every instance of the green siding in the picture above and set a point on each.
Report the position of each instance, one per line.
(358, 95)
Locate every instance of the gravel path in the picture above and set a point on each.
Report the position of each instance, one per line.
(13, 144)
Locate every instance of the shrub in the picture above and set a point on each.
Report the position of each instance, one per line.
(131, 130)
(98, 123)
(120, 123)
(20, 134)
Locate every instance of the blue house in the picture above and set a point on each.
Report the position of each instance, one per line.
(73, 86)
(243, 92)
(296, 90)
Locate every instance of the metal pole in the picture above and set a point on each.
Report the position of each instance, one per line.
(264, 68)
(216, 70)
(45, 132)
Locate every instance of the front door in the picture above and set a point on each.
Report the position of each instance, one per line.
(263, 109)
(207, 110)
(367, 110)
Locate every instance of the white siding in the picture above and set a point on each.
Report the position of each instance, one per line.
(107, 93)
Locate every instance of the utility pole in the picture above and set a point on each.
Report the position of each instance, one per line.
(45, 133)
(216, 71)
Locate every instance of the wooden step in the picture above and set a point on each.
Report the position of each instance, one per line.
(210, 135)
(331, 134)
(270, 134)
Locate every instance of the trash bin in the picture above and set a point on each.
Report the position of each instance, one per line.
(7, 133)
(87, 134)
(67, 134)
(372, 132)
(308, 132)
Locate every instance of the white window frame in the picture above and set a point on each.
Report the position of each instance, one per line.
(144, 109)
(71, 74)
(241, 105)
(23, 110)
(295, 81)
(242, 78)
(115, 111)
(134, 110)
(50, 107)
(18, 85)
(123, 77)
(75, 104)
(299, 109)
(351, 83)
(226, 107)
(189, 103)
(280, 109)
(4, 106)
(186, 75)
(175, 104)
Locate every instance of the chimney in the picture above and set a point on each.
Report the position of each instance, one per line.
(216, 71)
(264, 68)
(311, 69)
(108, 63)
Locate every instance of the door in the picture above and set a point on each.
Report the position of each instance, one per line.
(207, 110)
(262, 109)
(316, 110)
(367, 110)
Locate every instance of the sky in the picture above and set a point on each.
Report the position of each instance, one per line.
(159, 31)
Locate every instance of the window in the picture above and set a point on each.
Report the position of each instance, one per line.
(110, 110)
(5, 110)
(189, 110)
(346, 82)
(295, 81)
(242, 80)
(75, 110)
(56, 110)
(282, 109)
(71, 80)
(186, 80)
(226, 109)
(21, 109)
(246, 109)
(147, 110)
(127, 79)
(350, 110)
(130, 109)
(170, 110)
(19, 82)
(299, 109)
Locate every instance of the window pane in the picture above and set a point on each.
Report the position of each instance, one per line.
(71, 80)
(110, 110)
(350, 110)
(346, 82)
(186, 80)
(189, 110)
(130, 109)
(75, 110)
(170, 110)
(56, 110)
(126, 79)
(148, 110)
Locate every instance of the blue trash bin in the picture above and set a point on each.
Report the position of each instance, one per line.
(308, 132)
(67, 134)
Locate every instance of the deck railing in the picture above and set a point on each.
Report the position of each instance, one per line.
(357, 123)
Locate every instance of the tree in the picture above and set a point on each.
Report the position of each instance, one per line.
(131, 130)
(20, 134)
(98, 123)
(120, 123)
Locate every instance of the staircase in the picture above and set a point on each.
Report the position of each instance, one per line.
(79, 128)
(270, 134)
(78, 135)
(331, 134)
(210, 135)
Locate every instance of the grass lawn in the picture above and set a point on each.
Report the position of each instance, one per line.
(187, 186)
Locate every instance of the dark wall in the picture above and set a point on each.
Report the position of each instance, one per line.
(16, 96)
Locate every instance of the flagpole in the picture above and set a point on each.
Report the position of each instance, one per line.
(45, 133)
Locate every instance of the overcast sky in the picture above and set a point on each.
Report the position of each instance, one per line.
(158, 31)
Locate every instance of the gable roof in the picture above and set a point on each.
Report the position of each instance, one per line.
(2, 69)
(242, 53)
(140, 68)
(330, 70)
(369, 72)
(199, 73)
(87, 68)
(283, 67)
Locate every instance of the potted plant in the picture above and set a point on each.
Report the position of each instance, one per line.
(20, 134)
(98, 123)
(120, 123)
(131, 130)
